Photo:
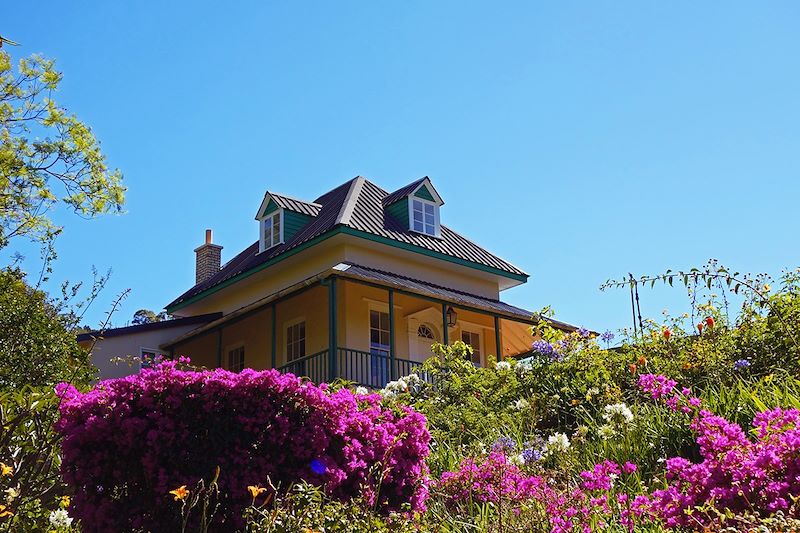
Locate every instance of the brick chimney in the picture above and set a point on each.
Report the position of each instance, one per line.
(208, 259)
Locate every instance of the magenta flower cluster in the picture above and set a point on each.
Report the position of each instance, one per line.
(594, 503)
(129, 441)
(736, 474)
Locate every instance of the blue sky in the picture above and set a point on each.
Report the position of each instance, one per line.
(578, 140)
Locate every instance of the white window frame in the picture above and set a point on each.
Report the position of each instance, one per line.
(478, 348)
(263, 226)
(228, 350)
(437, 231)
(143, 349)
(291, 323)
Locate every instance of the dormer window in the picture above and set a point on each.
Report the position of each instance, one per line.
(424, 217)
(272, 230)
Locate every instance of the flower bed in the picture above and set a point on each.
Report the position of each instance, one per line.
(129, 441)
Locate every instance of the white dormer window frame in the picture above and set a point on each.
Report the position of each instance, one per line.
(423, 216)
(268, 222)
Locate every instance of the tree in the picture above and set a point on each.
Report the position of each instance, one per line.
(146, 316)
(37, 341)
(46, 154)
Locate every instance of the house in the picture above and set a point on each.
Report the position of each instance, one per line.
(355, 284)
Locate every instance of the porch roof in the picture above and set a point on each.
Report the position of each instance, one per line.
(388, 280)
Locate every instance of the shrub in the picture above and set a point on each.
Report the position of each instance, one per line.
(130, 441)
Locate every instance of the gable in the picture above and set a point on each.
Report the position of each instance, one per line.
(424, 193)
(270, 207)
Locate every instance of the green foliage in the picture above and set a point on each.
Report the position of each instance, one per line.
(467, 406)
(46, 154)
(306, 508)
(30, 449)
(146, 316)
(37, 342)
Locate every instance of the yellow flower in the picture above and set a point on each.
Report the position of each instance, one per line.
(65, 501)
(180, 493)
(766, 287)
(5, 470)
(255, 490)
(5, 511)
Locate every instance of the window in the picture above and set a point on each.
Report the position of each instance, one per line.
(271, 232)
(474, 340)
(425, 332)
(236, 359)
(379, 347)
(296, 341)
(424, 217)
(148, 356)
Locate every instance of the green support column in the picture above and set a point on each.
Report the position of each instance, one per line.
(445, 331)
(392, 355)
(219, 348)
(497, 338)
(332, 329)
(274, 340)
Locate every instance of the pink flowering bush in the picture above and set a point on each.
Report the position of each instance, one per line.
(537, 504)
(736, 473)
(129, 441)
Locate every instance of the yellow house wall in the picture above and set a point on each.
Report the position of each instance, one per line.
(338, 249)
(359, 299)
(280, 276)
(421, 267)
(202, 350)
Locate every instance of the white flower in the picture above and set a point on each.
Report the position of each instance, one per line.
(558, 442)
(518, 459)
(617, 414)
(521, 404)
(362, 390)
(606, 432)
(502, 366)
(11, 494)
(60, 519)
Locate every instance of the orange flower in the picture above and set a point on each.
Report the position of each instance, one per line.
(180, 493)
(642, 361)
(575, 402)
(710, 321)
(667, 333)
(700, 328)
(632, 368)
(255, 490)
(5, 511)
(5, 470)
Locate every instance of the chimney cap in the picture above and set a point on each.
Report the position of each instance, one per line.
(209, 235)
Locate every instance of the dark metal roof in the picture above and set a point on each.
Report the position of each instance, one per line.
(356, 204)
(152, 326)
(454, 296)
(292, 204)
(402, 191)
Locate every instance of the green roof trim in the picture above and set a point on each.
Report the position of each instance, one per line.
(346, 230)
(424, 193)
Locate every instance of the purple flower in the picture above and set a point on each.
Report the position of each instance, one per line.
(584, 333)
(503, 444)
(741, 364)
(607, 337)
(544, 348)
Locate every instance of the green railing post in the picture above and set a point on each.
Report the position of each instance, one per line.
(392, 355)
(498, 344)
(445, 332)
(332, 328)
(274, 339)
